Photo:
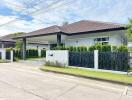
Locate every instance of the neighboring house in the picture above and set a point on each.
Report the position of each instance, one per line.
(82, 33)
(7, 42)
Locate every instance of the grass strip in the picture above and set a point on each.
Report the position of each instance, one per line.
(89, 73)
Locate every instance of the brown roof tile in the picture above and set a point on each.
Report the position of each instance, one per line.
(77, 27)
(86, 26)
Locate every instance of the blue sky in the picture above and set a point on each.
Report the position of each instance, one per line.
(116, 11)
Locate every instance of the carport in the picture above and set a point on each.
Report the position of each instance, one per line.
(52, 35)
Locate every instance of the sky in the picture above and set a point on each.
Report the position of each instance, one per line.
(30, 15)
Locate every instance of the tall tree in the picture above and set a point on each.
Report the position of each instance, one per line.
(129, 30)
(65, 23)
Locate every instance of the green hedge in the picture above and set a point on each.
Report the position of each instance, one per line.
(43, 53)
(32, 53)
(98, 46)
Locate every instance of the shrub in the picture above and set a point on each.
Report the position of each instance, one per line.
(74, 49)
(54, 64)
(32, 53)
(122, 48)
(98, 46)
(43, 53)
(114, 48)
(78, 49)
(71, 48)
(106, 48)
(92, 48)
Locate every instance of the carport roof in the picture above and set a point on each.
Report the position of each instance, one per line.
(7, 38)
(76, 28)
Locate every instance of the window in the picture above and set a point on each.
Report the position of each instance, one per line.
(103, 40)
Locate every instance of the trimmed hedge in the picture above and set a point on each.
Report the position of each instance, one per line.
(30, 53)
(43, 53)
(98, 46)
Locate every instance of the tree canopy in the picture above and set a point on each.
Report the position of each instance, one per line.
(129, 30)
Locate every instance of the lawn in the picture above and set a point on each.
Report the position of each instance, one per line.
(90, 73)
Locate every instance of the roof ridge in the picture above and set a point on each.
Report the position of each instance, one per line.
(103, 22)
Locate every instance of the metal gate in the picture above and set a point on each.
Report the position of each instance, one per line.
(0, 55)
(118, 61)
(81, 59)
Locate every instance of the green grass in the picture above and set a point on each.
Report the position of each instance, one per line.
(4, 61)
(35, 58)
(90, 73)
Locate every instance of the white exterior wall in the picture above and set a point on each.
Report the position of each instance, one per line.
(61, 56)
(34, 46)
(115, 38)
(129, 44)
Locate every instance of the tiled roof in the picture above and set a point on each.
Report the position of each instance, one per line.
(7, 38)
(86, 26)
(74, 28)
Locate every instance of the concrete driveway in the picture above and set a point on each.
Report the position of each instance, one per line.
(23, 82)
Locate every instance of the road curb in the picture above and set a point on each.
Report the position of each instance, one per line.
(88, 77)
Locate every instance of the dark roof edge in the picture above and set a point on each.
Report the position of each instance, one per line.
(98, 31)
(39, 43)
(40, 35)
(7, 41)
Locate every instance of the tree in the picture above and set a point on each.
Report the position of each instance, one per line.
(17, 34)
(129, 30)
(65, 23)
(18, 45)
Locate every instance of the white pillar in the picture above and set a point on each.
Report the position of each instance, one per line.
(96, 62)
(11, 58)
(3, 54)
(2, 45)
(48, 46)
(39, 52)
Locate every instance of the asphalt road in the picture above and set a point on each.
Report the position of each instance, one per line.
(24, 82)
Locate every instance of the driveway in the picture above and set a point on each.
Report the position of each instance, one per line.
(24, 82)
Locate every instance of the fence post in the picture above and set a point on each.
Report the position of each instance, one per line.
(39, 52)
(96, 62)
(11, 56)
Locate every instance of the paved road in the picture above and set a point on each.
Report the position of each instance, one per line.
(22, 82)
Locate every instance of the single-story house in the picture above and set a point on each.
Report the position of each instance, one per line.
(81, 33)
(7, 41)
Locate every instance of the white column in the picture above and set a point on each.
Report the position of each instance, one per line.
(39, 52)
(2, 45)
(11, 58)
(96, 62)
(3, 54)
(48, 46)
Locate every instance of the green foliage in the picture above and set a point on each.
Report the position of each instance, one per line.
(122, 48)
(129, 30)
(17, 34)
(18, 45)
(32, 53)
(92, 48)
(43, 53)
(17, 54)
(114, 48)
(54, 64)
(98, 46)
(106, 48)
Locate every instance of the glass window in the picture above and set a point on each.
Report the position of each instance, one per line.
(103, 40)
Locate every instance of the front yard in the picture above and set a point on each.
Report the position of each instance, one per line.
(90, 74)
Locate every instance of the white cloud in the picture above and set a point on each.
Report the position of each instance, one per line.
(102, 10)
